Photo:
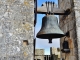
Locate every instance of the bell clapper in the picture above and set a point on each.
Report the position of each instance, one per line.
(50, 40)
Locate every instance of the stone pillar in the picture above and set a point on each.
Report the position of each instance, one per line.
(70, 23)
(16, 29)
(77, 17)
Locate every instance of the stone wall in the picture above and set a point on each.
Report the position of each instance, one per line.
(16, 29)
(55, 51)
(70, 23)
(39, 54)
(54, 54)
(77, 17)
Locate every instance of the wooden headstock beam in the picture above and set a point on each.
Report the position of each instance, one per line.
(56, 11)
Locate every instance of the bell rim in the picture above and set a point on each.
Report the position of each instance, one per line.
(65, 51)
(47, 36)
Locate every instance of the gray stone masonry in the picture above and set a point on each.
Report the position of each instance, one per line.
(77, 17)
(71, 23)
(39, 54)
(16, 29)
(54, 54)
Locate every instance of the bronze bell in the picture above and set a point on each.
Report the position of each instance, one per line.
(65, 47)
(50, 28)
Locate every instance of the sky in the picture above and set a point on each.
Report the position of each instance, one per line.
(43, 43)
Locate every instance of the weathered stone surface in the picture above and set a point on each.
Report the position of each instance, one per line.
(16, 25)
(72, 58)
(71, 24)
(77, 15)
(39, 54)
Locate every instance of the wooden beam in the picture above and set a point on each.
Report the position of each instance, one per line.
(56, 11)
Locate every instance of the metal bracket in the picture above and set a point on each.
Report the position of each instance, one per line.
(67, 34)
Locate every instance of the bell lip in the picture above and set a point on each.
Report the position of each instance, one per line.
(65, 50)
(48, 36)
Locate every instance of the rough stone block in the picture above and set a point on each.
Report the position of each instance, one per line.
(72, 24)
(72, 58)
